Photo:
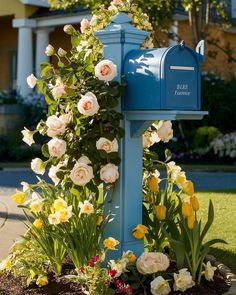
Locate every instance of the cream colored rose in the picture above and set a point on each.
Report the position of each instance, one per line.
(209, 271)
(84, 25)
(66, 118)
(116, 2)
(152, 262)
(149, 138)
(109, 173)
(183, 280)
(160, 286)
(164, 130)
(49, 51)
(173, 170)
(59, 89)
(53, 174)
(38, 166)
(81, 174)
(31, 81)
(106, 70)
(107, 145)
(28, 136)
(86, 208)
(56, 147)
(84, 160)
(56, 126)
(88, 104)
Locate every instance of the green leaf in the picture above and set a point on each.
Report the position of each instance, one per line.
(44, 150)
(42, 86)
(60, 64)
(75, 41)
(168, 155)
(209, 221)
(45, 70)
(49, 100)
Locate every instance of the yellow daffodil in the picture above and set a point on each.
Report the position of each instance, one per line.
(161, 212)
(59, 204)
(42, 281)
(110, 243)
(19, 198)
(38, 223)
(139, 231)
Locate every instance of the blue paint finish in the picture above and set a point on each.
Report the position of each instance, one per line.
(118, 39)
(163, 79)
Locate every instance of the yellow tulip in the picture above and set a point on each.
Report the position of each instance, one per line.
(188, 188)
(131, 257)
(161, 212)
(194, 202)
(191, 220)
(110, 243)
(19, 198)
(139, 231)
(99, 220)
(38, 223)
(153, 184)
(42, 281)
(187, 209)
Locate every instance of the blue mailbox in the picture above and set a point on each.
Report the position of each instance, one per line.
(163, 78)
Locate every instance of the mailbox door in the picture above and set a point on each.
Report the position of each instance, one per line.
(142, 75)
(180, 79)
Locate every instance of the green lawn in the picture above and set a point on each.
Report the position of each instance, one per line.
(15, 164)
(224, 225)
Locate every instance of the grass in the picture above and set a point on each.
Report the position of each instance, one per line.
(224, 225)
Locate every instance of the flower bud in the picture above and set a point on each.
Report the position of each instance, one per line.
(153, 184)
(191, 220)
(139, 231)
(194, 202)
(161, 212)
(49, 51)
(188, 188)
(187, 209)
(69, 29)
(61, 52)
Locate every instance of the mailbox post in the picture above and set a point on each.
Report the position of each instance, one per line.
(121, 43)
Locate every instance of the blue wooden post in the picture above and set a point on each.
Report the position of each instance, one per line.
(118, 39)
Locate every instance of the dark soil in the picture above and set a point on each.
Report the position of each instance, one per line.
(10, 285)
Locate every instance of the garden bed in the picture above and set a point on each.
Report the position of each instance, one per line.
(10, 285)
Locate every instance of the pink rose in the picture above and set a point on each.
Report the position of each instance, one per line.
(84, 25)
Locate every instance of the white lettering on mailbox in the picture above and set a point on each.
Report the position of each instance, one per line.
(182, 68)
(182, 89)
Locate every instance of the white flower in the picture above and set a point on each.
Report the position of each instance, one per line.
(66, 118)
(36, 203)
(5, 264)
(152, 262)
(59, 89)
(38, 166)
(160, 286)
(84, 160)
(88, 104)
(56, 126)
(86, 208)
(173, 170)
(49, 51)
(25, 186)
(164, 130)
(209, 271)
(183, 280)
(54, 218)
(61, 52)
(84, 25)
(53, 174)
(31, 81)
(68, 29)
(82, 45)
(65, 214)
(56, 147)
(81, 173)
(119, 266)
(149, 138)
(93, 20)
(116, 2)
(107, 145)
(109, 173)
(28, 136)
(106, 70)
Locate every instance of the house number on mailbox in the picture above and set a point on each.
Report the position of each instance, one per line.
(182, 89)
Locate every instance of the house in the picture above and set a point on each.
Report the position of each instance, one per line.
(27, 27)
